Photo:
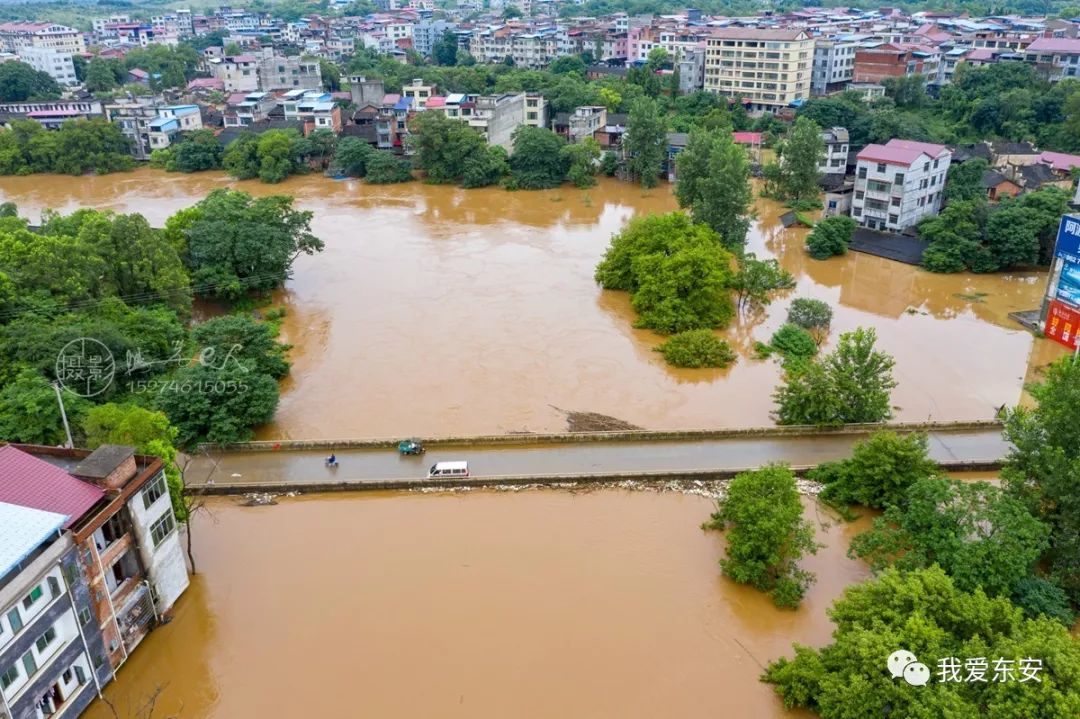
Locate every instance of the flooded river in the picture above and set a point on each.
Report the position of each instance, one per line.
(480, 605)
(436, 310)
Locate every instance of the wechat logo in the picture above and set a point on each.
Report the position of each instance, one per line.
(903, 663)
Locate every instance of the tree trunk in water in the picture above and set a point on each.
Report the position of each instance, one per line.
(190, 553)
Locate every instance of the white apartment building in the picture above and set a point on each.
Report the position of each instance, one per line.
(57, 65)
(899, 183)
(768, 69)
(834, 161)
(14, 36)
(834, 66)
(239, 73)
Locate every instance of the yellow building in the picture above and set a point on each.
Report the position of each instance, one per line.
(767, 68)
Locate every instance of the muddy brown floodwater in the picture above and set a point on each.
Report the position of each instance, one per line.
(436, 310)
(483, 605)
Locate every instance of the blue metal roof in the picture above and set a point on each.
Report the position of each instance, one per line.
(22, 530)
(403, 104)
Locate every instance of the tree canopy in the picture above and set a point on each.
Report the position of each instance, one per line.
(713, 184)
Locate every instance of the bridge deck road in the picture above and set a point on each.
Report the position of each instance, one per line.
(570, 458)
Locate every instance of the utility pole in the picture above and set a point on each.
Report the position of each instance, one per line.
(67, 428)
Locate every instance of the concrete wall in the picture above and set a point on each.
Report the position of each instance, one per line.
(165, 564)
(586, 437)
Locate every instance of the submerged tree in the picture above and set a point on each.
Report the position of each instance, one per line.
(713, 183)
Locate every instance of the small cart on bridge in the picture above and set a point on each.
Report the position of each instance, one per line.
(410, 447)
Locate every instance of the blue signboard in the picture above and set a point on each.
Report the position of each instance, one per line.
(1068, 240)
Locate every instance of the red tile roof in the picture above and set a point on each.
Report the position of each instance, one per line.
(435, 101)
(746, 138)
(1060, 161)
(900, 152)
(1067, 45)
(28, 481)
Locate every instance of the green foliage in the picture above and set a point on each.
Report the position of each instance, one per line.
(271, 156)
(149, 432)
(879, 472)
(445, 49)
(353, 154)
(979, 535)
(1043, 470)
(610, 164)
(677, 272)
(970, 234)
(537, 162)
(645, 141)
(384, 168)
(78, 147)
(809, 314)
(756, 280)
(239, 337)
(852, 384)
(793, 341)
(964, 181)
(583, 159)
(20, 82)
(1038, 596)
(30, 413)
(767, 535)
(925, 613)
(485, 167)
(446, 150)
(713, 183)
(219, 405)
(235, 243)
(830, 237)
(568, 64)
(801, 154)
(103, 74)
(697, 348)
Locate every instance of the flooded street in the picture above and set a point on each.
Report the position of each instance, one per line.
(437, 311)
(480, 605)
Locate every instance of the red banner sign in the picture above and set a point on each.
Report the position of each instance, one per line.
(1062, 324)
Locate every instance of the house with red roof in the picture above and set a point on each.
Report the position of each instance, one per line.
(115, 508)
(899, 183)
(1056, 58)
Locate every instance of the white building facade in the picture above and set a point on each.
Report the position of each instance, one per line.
(899, 183)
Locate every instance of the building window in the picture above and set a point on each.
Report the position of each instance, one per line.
(84, 616)
(936, 163)
(926, 167)
(862, 173)
(896, 202)
(154, 491)
(29, 664)
(30, 599)
(893, 219)
(46, 639)
(899, 180)
(859, 194)
(8, 678)
(162, 528)
(54, 587)
(857, 211)
(881, 167)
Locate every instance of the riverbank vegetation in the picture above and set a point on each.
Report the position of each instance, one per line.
(978, 236)
(830, 237)
(766, 534)
(967, 571)
(76, 148)
(117, 293)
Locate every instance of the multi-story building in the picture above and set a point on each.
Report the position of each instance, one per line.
(536, 110)
(56, 64)
(171, 121)
(14, 36)
(1055, 58)
(51, 652)
(834, 66)
(278, 72)
(497, 116)
(585, 121)
(418, 92)
(691, 67)
(240, 73)
(879, 62)
(899, 183)
(834, 161)
(119, 516)
(769, 69)
(151, 126)
(244, 110)
(314, 108)
(428, 31)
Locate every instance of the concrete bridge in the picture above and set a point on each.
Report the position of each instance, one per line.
(556, 458)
